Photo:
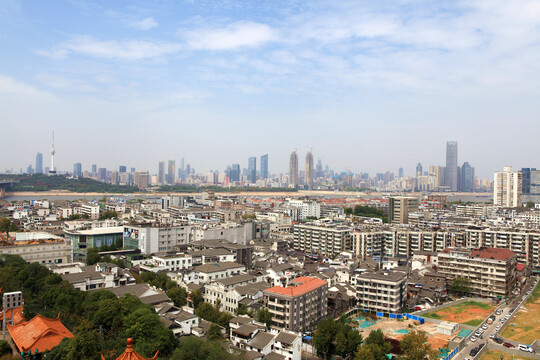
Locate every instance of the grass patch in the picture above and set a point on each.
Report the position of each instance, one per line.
(474, 322)
(496, 355)
(525, 327)
(476, 304)
(432, 315)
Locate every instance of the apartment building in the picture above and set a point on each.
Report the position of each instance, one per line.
(299, 306)
(382, 291)
(42, 248)
(327, 239)
(507, 188)
(215, 271)
(399, 208)
(91, 210)
(151, 239)
(307, 208)
(165, 262)
(492, 271)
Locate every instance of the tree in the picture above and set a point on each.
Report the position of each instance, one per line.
(364, 353)
(378, 345)
(196, 298)
(178, 295)
(214, 333)
(6, 225)
(193, 348)
(347, 341)
(264, 316)
(415, 346)
(109, 214)
(530, 204)
(323, 340)
(461, 286)
(241, 310)
(348, 211)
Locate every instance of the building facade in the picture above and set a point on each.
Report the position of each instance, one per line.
(384, 291)
(507, 188)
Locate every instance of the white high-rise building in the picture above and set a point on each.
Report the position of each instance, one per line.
(507, 188)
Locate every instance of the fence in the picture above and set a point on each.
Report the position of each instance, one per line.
(451, 355)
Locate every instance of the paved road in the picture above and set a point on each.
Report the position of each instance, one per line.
(497, 326)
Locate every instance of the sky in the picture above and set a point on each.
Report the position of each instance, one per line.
(369, 86)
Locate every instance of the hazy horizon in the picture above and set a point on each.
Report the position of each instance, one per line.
(369, 86)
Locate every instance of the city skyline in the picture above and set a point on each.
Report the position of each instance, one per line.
(337, 77)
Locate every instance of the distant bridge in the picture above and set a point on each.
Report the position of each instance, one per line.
(4, 186)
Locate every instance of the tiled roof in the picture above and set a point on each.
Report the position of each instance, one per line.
(18, 316)
(131, 354)
(493, 253)
(304, 285)
(39, 333)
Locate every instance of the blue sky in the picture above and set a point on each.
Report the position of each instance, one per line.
(369, 85)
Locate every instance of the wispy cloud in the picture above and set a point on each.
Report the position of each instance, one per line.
(9, 85)
(233, 36)
(113, 49)
(144, 24)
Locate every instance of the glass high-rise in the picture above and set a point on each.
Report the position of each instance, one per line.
(39, 163)
(451, 171)
(161, 172)
(171, 173)
(252, 169)
(309, 171)
(77, 170)
(264, 166)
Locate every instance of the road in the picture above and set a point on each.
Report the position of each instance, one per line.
(492, 328)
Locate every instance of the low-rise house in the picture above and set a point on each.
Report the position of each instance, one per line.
(93, 277)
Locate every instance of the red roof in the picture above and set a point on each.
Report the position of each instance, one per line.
(131, 354)
(39, 333)
(492, 253)
(18, 316)
(520, 267)
(298, 286)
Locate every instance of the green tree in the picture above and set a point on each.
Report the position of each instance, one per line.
(530, 204)
(196, 298)
(348, 211)
(214, 333)
(415, 346)
(347, 341)
(178, 295)
(461, 286)
(323, 340)
(193, 348)
(378, 345)
(364, 353)
(241, 310)
(109, 214)
(6, 225)
(264, 316)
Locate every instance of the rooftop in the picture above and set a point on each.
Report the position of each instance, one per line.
(298, 286)
(39, 333)
(215, 267)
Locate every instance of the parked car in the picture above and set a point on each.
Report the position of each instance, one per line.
(498, 340)
(498, 312)
(492, 336)
(473, 352)
(485, 326)
(508, 345)
(480, 346)
(526, 348)
(473, 338)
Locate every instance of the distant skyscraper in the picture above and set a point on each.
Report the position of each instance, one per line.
(94, 168)
(39, 163)
(182, 163)
(52, 169)
(171, 173)
(451, 171)
(122, 168)
(400, 172)
(77, 170)
(235, 172)
(264, 166)
(252, 169)
(29, 170)
(293, 170)
(102, 174)
(115, 178)
(507, 188)
(309, 170)
(530, 185)
(467, 177)
(418, 170)
(161, 172)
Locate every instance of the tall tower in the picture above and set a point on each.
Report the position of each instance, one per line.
(264, 166)
(252, 169)
(52, 170)
(309, 170)
(450, 172)
(293, 170)
(39, 163)
(171, 174)
(161, 173)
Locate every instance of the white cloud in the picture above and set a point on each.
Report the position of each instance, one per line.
(11, 86)
(114, 49)
(233, 36)
(144, 24)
